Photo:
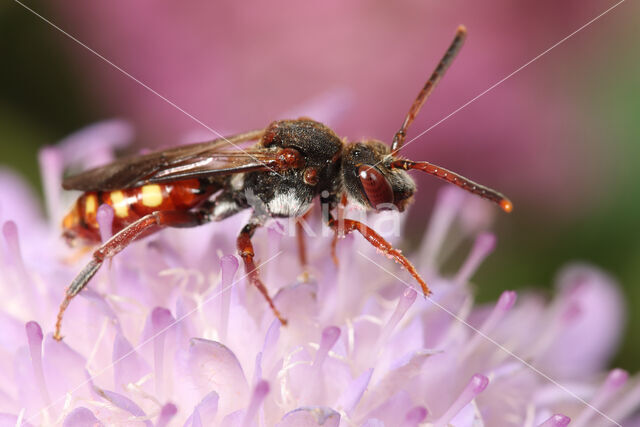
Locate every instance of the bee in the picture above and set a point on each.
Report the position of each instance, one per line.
(290, 164)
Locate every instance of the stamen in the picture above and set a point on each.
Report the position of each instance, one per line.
(228, 269)
(626, 403)
(315, 383)
(404, 303)
(557, 420)
(504, 304)
(445, 211)
(105, 221)
(257, 368)
(270, 340)
(329, 337)
(34, 338)
(167, 412)
(259, 393)
(14, 254)
(415, 416)
(483, 246)
(614, 381)
(161, 319)
(477, 384)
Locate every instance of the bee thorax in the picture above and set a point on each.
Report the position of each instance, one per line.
(288, 203)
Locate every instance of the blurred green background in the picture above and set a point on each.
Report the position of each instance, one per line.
(49, 88)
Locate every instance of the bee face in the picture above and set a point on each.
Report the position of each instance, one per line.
(370, 181)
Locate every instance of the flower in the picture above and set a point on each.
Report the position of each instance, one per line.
(170, 333)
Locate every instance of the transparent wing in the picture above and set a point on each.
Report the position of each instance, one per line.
(221, 156)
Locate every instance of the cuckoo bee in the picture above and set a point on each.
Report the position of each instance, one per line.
(285, 166)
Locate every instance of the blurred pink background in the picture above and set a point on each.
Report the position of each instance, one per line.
(359, 65)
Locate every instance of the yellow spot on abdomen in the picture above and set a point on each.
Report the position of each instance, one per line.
(119, 204)
(151, 195)
(90, 208)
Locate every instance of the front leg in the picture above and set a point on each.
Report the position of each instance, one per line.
(245, 250)
(381, 244)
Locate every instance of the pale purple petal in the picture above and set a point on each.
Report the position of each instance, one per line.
(24, 392)
(195, 420)
(19, 203)
(358, 343)
(352, 395)
(207, 409)
(600, 315)
(297, 303)
(212, 366)
(128, 367)
(94, 145)
(234, 419)
(124, 403)
(63, 370)
(373, 422)
(397, 376)
(311, 417)
(103, 307)
(9, 420)
(393, 409)
(12, 335)
(81, 417)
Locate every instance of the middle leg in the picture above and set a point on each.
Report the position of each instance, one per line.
(245, 250)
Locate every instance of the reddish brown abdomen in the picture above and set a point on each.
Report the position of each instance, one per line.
(81, 225)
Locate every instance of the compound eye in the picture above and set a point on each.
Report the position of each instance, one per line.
(375, 185)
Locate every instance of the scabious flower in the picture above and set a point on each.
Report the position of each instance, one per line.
(169, 333)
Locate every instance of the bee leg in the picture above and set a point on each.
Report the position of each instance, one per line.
(339, 229)
(121, 240)
(245, 250)
(302, 247)
(381, 244)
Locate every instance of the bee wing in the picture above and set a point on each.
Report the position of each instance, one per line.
(189, 161)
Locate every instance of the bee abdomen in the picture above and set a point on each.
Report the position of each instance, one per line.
(129, 205)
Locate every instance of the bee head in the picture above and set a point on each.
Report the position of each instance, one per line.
(371, 182)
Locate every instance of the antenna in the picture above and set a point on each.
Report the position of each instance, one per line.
(450, 54)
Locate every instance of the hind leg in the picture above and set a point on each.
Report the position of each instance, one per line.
(121, 240)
